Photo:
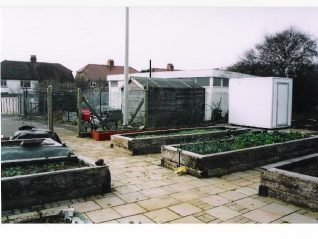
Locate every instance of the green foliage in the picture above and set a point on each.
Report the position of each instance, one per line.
(33, 168)
(246, 140)
(81, 82)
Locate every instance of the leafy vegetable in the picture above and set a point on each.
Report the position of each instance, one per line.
(245, 140)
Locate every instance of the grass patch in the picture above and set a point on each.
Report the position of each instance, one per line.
(179, 132)
(246, 140)
(33, 168)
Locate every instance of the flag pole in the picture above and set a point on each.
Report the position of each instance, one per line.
(125, 119)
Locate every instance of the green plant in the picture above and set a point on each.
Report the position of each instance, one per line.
(245, 140)
(33, 168)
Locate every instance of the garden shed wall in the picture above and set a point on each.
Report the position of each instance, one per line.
(168, 106)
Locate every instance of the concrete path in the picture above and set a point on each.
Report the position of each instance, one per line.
(145, 192)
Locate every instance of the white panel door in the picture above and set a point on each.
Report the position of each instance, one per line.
(114, 95)
(207, 106)
(282, 104)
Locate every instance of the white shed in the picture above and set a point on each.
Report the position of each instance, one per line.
(214, 81)
(263, 102)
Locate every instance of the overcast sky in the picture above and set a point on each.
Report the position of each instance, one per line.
(188, 37)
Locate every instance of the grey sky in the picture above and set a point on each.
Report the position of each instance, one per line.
(188, 37)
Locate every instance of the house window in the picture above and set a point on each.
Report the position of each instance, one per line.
(114, 83)
(225, 82)
(25, 84)
(93, 84)
(3, 83)
(217, 82)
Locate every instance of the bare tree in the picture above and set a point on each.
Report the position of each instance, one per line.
(290, 53)
(281, 54)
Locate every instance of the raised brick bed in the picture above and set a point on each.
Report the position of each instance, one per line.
(38, 188)
(146, 145)
(293, 181)
(218, 164)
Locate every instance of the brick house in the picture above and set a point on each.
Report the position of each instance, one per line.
(17, 76)
(96, 75)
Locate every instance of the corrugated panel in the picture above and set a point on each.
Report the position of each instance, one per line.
(168, 83)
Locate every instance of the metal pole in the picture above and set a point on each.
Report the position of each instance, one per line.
(146, 107)
(49, 108)
(79, 114)
(125, 118)
(149, 68)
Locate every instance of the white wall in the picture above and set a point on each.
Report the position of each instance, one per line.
(14, 86)
(252, 101)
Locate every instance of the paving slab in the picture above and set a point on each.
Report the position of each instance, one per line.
(110, 202)
(103, 215)
(188, 195)
(212, 189)
(132, 197)
(156, 203)
(162, 215)
(250, 203)
(247, 190)
(110, 222)
(215, 200)
(187, 220)
(154, 192)
(137, 219)
(185, 209)
(85, 206)
(127, 189)
(298, 218)
(278, 209)
(232, 195)
(129, 209)
(223, 213)
(261, 216)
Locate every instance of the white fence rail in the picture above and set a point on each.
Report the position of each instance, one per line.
(10, 105)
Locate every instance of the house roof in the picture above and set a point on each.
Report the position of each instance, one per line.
(100, 72)
(41, 71)
(184, 83)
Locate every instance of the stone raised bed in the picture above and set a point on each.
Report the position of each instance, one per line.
(38, 188)
(153, 143)
(48, 216)
(293, 181)
(218, 164)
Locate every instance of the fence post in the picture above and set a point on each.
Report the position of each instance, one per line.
(49, 108)
(146, 108)
(79, 114)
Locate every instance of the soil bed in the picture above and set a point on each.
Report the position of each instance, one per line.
(307, 167)
(152, 141)
(180, 132)
(294, 181)
(246, 140)
(33, 168)
(37, 181)
(50, 220)
(238, 153)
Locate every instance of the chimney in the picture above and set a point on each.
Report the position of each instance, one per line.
(110, 63)
(33, 58)
(170, 67)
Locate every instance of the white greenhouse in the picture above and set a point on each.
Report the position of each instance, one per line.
(263, 102)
